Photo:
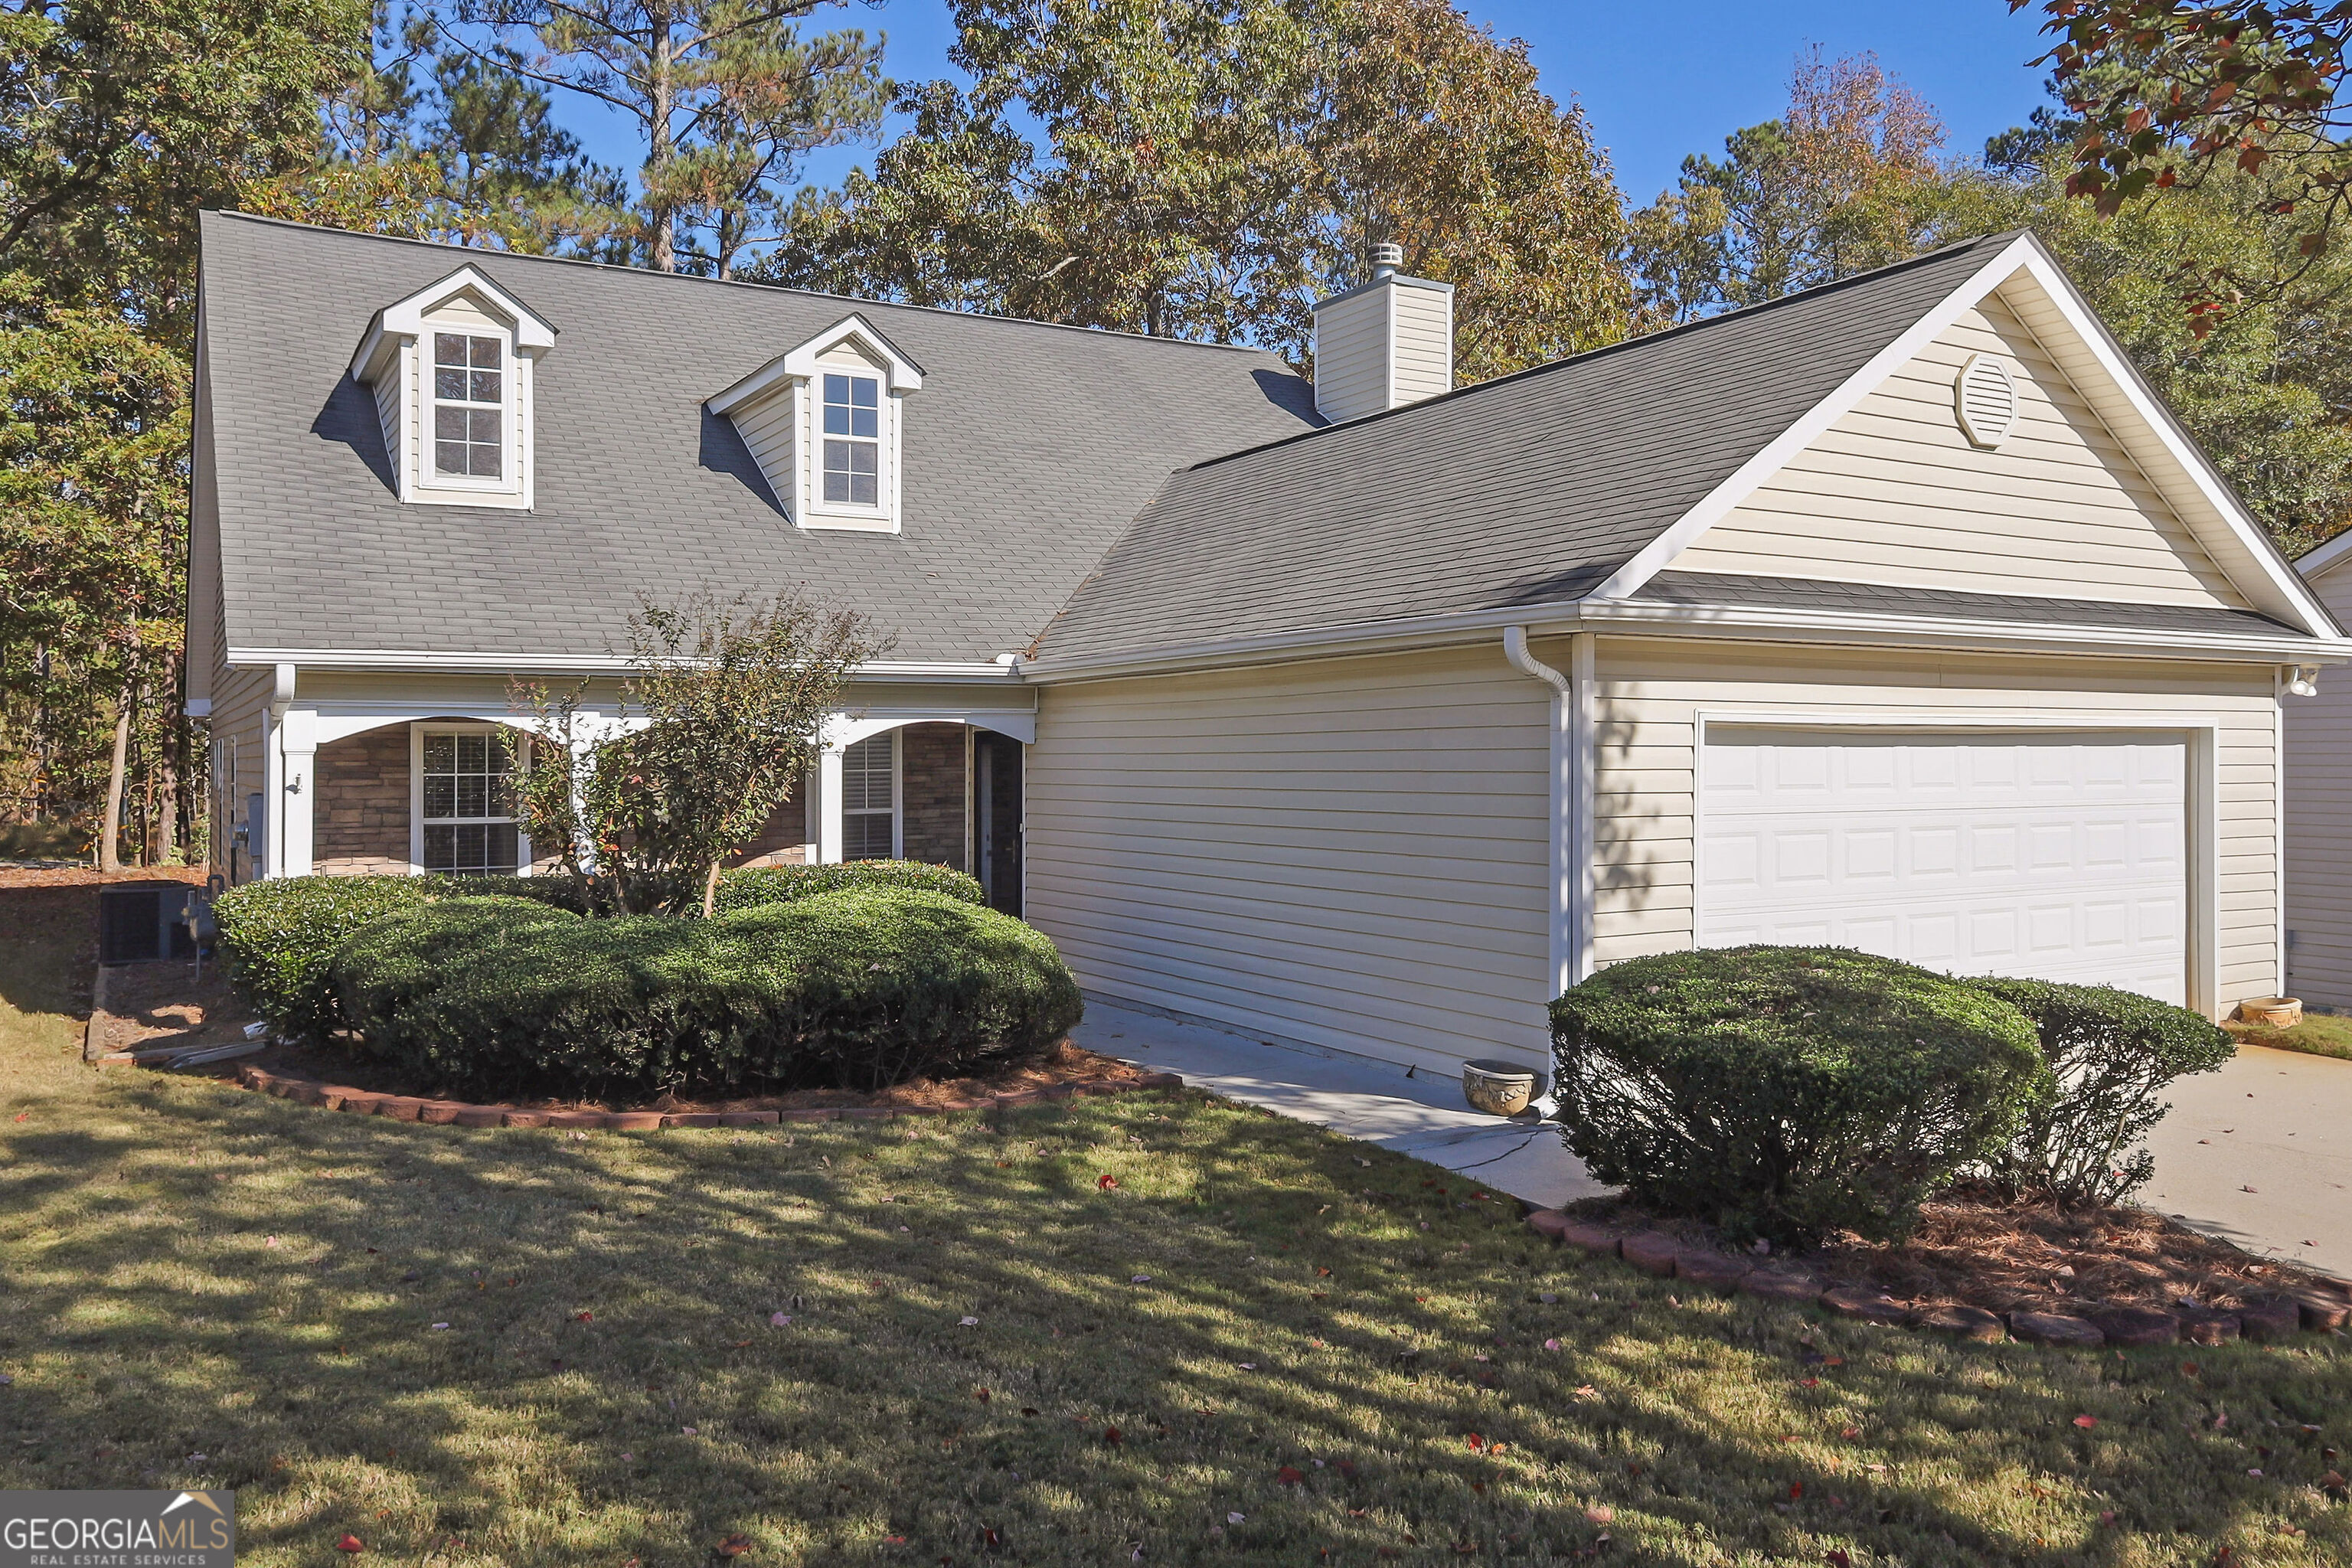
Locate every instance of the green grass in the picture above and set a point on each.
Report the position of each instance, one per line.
(192, 1270)
(2319, 1034)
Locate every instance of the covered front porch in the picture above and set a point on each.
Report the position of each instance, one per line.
(372, 775)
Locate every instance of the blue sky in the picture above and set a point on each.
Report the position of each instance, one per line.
(1658, 79)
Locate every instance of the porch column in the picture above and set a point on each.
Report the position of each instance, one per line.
(829, 833)
(297, 745)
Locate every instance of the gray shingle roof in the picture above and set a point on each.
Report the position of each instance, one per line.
(1027, 451)
(1872, 598)
(1529, 490)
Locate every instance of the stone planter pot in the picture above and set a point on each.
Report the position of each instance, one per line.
(1499, 1088)
(2272, 1012)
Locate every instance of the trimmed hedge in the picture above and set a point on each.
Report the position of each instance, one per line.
(2110, 1053)
(756, 886)
(856, 989)
(1788, 1092)
(276, 937)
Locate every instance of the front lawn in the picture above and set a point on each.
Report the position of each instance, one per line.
(204, 1286)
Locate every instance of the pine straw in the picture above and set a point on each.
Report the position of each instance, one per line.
(1972, 1249)
(1065, 1063)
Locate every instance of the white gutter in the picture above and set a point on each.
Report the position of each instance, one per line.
(583, 664)
(1571, 774)
(1636, 618)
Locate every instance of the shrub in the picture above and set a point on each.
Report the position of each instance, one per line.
(755, 886)
(2110, 1053)
(1787, 1092)
(277, 936)
(856, 989)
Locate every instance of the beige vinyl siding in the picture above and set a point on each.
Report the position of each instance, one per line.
(1650, 694)
(240, 712)
(1895, 493)
(1424, 341)
(2319, 826)
(387, 407)
(1351, 357)
(1345, 853)
(766, 427)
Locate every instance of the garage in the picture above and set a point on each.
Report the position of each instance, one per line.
(2058, 855)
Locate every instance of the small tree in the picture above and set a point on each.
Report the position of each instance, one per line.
(732, 693)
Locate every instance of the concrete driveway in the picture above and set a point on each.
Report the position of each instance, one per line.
(2259, 1152)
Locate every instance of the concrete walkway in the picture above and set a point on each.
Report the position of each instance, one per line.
(2259, 1152)
(1373, 1100)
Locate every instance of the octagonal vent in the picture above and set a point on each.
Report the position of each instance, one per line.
(1985, 396)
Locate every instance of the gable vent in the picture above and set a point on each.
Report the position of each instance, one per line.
(1985, 396)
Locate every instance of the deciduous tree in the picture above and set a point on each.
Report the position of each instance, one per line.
(1206, 166)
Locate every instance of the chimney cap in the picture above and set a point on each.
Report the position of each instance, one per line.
(1387, 256)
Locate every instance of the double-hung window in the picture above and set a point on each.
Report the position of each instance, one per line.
(869, 803)
(853, 444)
(467, 806)
(468, 405)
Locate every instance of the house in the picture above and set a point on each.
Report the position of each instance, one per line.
(1897, 614)
(2319, 812)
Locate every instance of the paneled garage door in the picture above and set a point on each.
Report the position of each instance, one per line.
(2058, 856)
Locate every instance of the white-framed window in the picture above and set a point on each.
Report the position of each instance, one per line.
(869, 798)
(470, 406)
(853, 440)
(462, 802)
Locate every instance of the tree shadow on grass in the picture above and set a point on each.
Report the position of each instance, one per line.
(197, 1270)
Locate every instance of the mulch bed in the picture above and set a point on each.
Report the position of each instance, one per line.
(1977, 1267)
(1066, 1070)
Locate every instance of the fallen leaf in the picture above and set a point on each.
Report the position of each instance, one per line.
(1474, 1441)
(1348, 1468)
(583, 1316)
(1601, 1515)
(779, 1319)
(1851, 1433)
(24, 1116)
(1111, 1436)
(1839, 1558)
(440, 1325)
(988, 1536)
(1551, 1344)
(1105, 1184)
(734, 1546)
(1028, 1410)
(1139, 1280)
(2087, 1422)
(690, 1431)
(980, 1395)
(1289, 1476)
(966, 1322)
(1234, 1518)
(1796, 1490)
(349, 1542)
(2106, 1516)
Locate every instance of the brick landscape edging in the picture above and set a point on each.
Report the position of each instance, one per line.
(1653, 1252)
(459, 1113)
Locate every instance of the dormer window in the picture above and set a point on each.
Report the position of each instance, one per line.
(853, 466)
(824, 421)
(468, 405)
(450, 368)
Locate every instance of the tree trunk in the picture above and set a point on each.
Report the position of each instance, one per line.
(109, 858)
(711, 891)
(659, 104)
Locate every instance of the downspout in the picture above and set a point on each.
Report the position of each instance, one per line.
(1571, 801)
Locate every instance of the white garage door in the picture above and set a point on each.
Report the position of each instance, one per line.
(2059, 856)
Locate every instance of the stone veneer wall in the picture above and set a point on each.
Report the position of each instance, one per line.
(359, 819)
(932, 797)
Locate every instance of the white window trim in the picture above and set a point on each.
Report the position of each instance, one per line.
(429, 476)
(416, 733)
(808, 418)
(898, 795)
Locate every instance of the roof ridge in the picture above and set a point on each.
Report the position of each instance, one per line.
(1623, 345)
(860, 299)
